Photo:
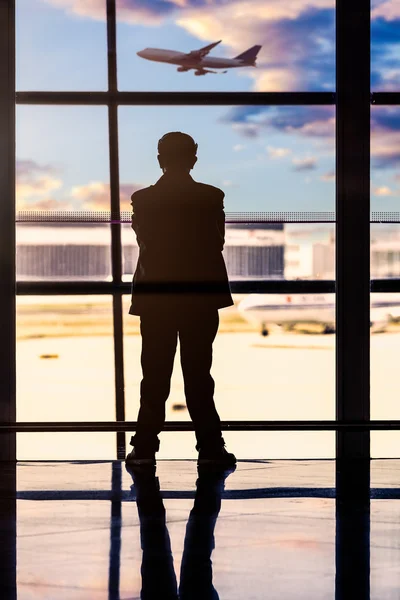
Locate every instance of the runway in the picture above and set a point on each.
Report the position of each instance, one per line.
(284, 376)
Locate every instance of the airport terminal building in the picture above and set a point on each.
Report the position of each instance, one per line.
(256, 251)
(80, 251)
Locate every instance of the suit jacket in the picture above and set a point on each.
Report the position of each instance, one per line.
(180, 230)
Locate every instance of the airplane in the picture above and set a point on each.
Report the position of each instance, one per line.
(264, 310)
(198, 60)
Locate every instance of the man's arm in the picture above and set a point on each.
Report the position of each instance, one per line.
(134, 223)
(140, 221)
(221, 219)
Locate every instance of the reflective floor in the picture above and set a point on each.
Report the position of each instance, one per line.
(268, 530)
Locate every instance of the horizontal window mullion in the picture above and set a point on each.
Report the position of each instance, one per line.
(385, 285)
(385, 98)
(70, 426)
(177, 98)
(55, 288)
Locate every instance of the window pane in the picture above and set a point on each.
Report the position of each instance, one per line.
(59, 151)
(63, 252)
(62, 165)
(263, 251)
(385, 345)
(297, 42)
(251, 445)
(62, 158)
(385, 573)
(385, 160)
(66, 446)
(384, 444)
(385, 263)
(385, 253)
(385, 45)
(65, 360)
(61, 45)
(264, 158)
(249, 365)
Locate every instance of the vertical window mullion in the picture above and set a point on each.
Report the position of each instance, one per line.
(353, 222)
(352, 297)
(8, 550)
(7, 226)
(116, 255)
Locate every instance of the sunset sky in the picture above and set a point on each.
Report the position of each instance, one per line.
(265, 158)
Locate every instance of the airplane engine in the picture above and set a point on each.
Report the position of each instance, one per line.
(199, 72)
(182, 69)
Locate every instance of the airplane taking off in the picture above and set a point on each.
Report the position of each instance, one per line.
(266, 309)
(198, 59)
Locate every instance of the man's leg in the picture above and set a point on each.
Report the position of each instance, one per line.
(159, 340)
(197, 332)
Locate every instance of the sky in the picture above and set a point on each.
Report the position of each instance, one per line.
(264, 158)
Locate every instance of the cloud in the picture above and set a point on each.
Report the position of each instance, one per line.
(330, 176)
(278, 152)
(238, 147)
(96, 195)
(317, 122)
(385, 25)
(304, 164)
(385, 149)
(385, 137)
(32, 180)
(388, 10)
(230, 183)
(27, 168)
(35, 182)
(46, 204)
(383, 190)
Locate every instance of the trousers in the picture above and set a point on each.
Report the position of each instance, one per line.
(160, 330)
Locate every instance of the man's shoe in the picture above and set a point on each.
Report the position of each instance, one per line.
(141, 458)
(216, 456)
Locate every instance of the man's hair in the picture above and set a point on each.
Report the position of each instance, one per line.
(177, 148)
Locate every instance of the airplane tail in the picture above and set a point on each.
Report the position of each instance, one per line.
(250, 55)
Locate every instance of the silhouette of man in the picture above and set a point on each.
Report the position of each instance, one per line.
(157, 569)
(179, 284)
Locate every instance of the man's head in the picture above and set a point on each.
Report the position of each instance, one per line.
(177, 152)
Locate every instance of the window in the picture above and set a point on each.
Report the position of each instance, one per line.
(274, 133)
(66, 108)
(297, 45)
(41, 25)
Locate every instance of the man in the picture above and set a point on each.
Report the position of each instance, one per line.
(179, 284)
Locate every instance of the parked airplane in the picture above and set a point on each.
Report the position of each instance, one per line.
(198, 60)
(267, 309)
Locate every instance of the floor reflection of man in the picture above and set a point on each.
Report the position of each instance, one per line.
(157, 570)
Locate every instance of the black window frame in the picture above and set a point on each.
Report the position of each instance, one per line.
(352, 100)
(352, 285)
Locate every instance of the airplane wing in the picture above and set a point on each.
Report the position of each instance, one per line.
(202, 51)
